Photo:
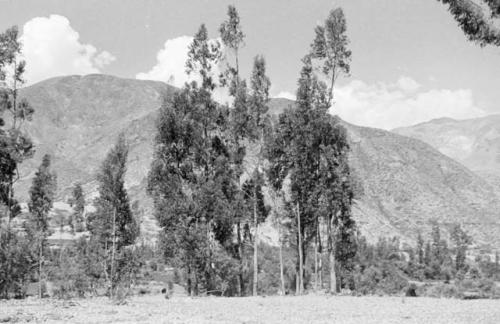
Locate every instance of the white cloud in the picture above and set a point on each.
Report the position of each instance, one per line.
(103, 59)
(286, 95)
(52, 47)
(408, 84)
(170, 63)
(170, 67)
(391, 105)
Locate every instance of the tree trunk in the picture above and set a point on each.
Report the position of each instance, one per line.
(316, 265)
(255, 242)
(40, 260)
(300, 247)
(113, 254)
(282, 276)
(320, 256)
(240, 287)
(8, 249)
(331, 259)
(189, 285)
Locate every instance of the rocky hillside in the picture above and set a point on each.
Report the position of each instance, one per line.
(407, 183)
(404, 183)
(473, 142)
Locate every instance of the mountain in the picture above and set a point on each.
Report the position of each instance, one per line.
(473, 142)
(78, 119)
(402, 183)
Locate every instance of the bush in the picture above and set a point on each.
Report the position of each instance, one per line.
(381, 279)
(440, 290)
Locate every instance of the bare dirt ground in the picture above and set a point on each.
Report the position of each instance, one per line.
(305, 309)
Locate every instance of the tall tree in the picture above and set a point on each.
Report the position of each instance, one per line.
(232, 37)
(203, 56)
(15, 145)
(238, 129)
(330, 58)
(293, 152)
(42, 194)
(420, 248)
(329, 51)
(113, 225)
(462, 241)
(191, 178)
(479, 19)
(77, 201)
(259, 123)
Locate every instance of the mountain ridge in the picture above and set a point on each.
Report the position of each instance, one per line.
(405, 183)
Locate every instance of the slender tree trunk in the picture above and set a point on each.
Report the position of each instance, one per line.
(282, 276)
(195, 290)
(113, 254)
(331, 258)
(332, 83)
(9, 238)
(300, 247)
(189, 284)
(40, 261)
(316, 265)
(241, 282)
(255, 242)
(320, 255)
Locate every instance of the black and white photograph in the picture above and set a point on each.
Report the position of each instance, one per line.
(250, 161)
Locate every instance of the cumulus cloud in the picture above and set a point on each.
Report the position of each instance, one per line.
(407, 84)
(52, 47)
(104, 58)
(170, 66)
(286, 95)
(391, 105)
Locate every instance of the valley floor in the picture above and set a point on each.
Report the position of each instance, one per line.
(305, 309)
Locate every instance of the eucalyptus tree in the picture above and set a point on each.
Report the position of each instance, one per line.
(15, 147)
(309, 150)
(293, 153)
(479, 19)
(191, 180)
(112, 225)
(329, 51)
(232, 37)
(42, 194)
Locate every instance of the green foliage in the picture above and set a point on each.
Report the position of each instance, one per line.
(16, 264)
(232, 37)
(68, 273)
(42, 193)
(329, 50)
(203, 55)
(77, 201)
(15, 147)
(461, 241)
(379, 268)
(112, 226)
(191, 179)
(113, 202)
(479, 21)
(310, 148)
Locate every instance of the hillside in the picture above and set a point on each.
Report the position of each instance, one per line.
(403, 182)
(473, 142)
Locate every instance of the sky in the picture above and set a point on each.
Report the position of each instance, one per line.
(410, 62)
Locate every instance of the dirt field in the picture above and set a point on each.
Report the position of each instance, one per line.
(306, 309)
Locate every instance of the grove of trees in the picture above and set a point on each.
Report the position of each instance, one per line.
(216, 171)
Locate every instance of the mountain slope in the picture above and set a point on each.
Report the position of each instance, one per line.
(403, 182)
(473, 142)
(407, 183)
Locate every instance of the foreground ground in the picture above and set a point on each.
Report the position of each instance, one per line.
(305, 309)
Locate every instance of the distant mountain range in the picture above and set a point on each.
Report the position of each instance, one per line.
(403, 184)
(473, 142)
